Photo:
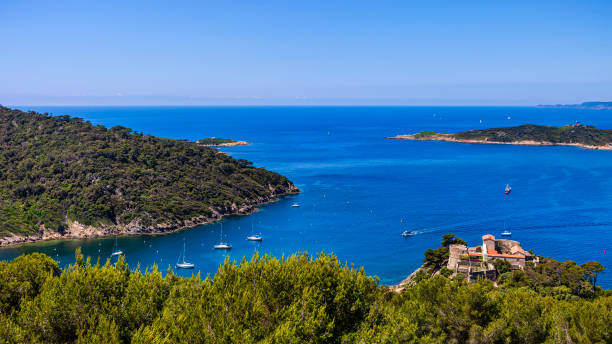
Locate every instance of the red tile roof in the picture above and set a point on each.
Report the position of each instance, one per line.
(497, 255)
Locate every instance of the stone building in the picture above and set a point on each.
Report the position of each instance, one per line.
(477, 261)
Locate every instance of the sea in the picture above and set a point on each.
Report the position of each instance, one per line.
(360, 191)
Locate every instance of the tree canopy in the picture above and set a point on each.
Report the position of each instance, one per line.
(299, 299)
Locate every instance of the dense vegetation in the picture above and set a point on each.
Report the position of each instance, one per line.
(213, 141)
(580, 134)
(584, 134)
(294, 300)
(60, 169)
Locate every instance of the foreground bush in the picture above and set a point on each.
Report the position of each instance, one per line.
(299, 299)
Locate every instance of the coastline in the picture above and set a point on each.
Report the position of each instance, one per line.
(401, 285)
(448, 138)
(77, 230)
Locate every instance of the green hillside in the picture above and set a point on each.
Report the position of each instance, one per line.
(59, 169)
(583, 134)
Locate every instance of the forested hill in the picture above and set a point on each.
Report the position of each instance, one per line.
(583, 134)
(59, 175)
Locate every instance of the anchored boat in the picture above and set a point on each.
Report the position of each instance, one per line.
(222, 245)
(508, 189)
(254, 237)
(184, 264)
(116, 250)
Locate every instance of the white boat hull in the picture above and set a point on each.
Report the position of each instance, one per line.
(185, 265)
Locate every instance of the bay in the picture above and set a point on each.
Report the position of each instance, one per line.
(360, 191)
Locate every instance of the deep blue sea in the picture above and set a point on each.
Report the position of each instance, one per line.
(360, 191)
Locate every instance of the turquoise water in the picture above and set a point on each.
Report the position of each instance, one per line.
(361, 191)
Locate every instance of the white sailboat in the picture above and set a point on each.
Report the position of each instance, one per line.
(295, 205)
(222, 245)
(254, 237)
(116, 250)
(184, 264)
(506, 232)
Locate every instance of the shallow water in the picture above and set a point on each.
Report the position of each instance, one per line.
(361, 191)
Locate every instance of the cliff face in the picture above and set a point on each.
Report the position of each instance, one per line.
(64, 177)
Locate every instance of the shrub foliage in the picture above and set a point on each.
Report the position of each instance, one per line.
(299, 299)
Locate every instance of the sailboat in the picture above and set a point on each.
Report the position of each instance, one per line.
(116, 250)
(222, 245)
(254, 237)
(508, 189)
(295, 205)
(506, 232)
(184, 264)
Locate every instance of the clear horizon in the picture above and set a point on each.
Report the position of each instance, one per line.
(342, 53)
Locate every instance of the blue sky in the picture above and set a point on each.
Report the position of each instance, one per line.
(310, 52)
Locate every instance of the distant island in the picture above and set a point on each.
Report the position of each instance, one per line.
(578, 135)
(62, 177)
(218, 142)
(585, 105)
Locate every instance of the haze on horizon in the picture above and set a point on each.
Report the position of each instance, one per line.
(310, 53)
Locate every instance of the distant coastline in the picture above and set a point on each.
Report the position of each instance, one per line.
(584, 105)
(582, 136)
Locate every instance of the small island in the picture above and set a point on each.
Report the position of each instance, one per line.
(578, 135)
(218, 142)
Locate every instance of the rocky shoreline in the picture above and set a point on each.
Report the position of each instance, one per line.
(449, 138)
(76, 230)
(401, 285)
